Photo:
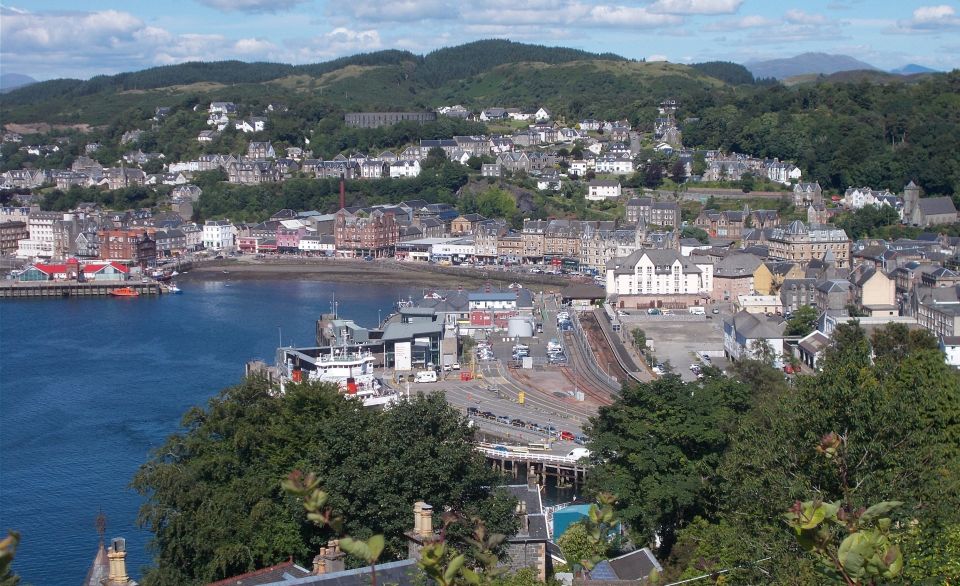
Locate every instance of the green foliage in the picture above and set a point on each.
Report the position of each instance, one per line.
(496, 203)
(732, 73)
(658, 447)
(216, 510)
(694, 232)
(867, 221)
(901, 425)
(867, 551)
(579, 547)
(803, 321)
(639, 339)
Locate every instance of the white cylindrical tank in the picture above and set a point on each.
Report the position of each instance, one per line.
(519, 327)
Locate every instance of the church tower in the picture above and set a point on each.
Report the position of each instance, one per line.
(911, 196)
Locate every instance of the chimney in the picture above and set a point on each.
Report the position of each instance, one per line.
(118, 561)
(343, 189)
(417, 516)
(320, 562)
(524, 520)
(532, 479)
(426, 521)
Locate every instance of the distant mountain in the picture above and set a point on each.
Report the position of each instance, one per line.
(11, 81)
(805, 64)
(911, 69)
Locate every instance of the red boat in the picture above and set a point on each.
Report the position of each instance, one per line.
(125, 292)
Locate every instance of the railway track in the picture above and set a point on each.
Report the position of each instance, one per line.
(579, 372)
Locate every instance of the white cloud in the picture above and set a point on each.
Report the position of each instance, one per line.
(933, 13)
(696, 6)
(655, 58)
(795, 16)
(340, 41)
(252, 6)
(930, 19)
(399, 11)
(745, 22)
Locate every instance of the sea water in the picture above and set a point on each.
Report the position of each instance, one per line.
(89, 386)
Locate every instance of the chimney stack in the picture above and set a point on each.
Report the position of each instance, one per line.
(329, 560)
(426, 521)
(531, 479)
(118, 561)
(343, 191)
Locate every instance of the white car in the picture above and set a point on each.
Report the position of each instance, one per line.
(455, 366)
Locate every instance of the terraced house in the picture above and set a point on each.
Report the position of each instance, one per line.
(374, 234)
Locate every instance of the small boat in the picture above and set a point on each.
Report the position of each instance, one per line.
(125, 292)
(172, 288)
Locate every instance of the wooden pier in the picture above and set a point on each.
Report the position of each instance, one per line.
(60, 289)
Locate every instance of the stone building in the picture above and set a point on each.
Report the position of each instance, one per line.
(798, 243)
(374, 234)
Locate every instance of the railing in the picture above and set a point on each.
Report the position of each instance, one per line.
(527, 457)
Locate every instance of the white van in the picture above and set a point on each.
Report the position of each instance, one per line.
(426, 376)
(577, 453)
(698, 310)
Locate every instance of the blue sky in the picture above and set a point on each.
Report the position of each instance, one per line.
(54, 38)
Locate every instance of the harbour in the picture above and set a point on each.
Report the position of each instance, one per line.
(58, 289)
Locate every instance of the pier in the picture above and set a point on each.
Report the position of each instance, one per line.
(568, 471)
(51, 289)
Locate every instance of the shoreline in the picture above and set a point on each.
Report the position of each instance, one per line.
(362, 272)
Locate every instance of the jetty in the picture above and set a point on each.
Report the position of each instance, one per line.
(50, 289)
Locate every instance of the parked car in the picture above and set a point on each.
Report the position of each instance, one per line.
(518, 422)
(473, 411)
(566, 435)
(503, 419)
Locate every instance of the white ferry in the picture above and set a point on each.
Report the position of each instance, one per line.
(351, 371)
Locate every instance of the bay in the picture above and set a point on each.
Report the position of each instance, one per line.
(89, 386)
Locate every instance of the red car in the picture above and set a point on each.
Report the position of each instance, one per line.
(566, 435)
(788, 369)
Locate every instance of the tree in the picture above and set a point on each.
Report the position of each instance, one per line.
(496, 203)
(901, 427)
(578, 545)
(652, 175)
(747, 182)
(802, 322)
(657, 448)
(215, 507)
(678, 172)
(694, 232)
(639, 339)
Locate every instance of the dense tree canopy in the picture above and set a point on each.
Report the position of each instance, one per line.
(901, 420)
(214, 501)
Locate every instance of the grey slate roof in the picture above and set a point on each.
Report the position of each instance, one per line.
(634, 566)
(931, 206)
(752, 326)
(400, 573)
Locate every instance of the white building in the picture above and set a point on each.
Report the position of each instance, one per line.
(857, 197)
(658, 272)
(404, 169)
(42, 240)
(322, 244)
(193, 236)
(578, 167)
(602, 189)
(219, 235)
(951, 348)
(745, 333)
(618, 165)
(460, 248)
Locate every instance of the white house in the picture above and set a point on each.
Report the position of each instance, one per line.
(219, 235)
(857, 197)
(951, 348)
(251, 125)
(223, 108)
(600, 189)
(658, 272)
(744, 334)
(542, 115)
(404, 169)
(42, 241)
(578, 167)
(618, 165)
(322, 244)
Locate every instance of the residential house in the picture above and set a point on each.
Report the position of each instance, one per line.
(795, 293)
(600, 189)
(222, 108)
(810, 349)
(745, 335)
(514, 162)
(490, 170)
(261, 150)
(873, 291)
(833, 296)
(252, 124)
(938, 310)
(807, 194)
(254, 173)
(465, 224)
(494, 114)
(405, 168)
(208, 136)
(614, 164)
(653, 213)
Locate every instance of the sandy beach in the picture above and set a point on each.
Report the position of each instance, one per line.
(387, 272)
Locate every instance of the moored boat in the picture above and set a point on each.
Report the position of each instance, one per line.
(172, 288)
(125, 292)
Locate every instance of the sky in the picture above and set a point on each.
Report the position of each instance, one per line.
(48, 39)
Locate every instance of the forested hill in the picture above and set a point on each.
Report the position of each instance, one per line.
(433, 69)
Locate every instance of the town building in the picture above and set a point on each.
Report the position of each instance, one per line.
(374, 234)
(658, 277)
(11, 233)
(740, 274)
(653, 213)
(745, 334)
(798, 243)
(134, 245)
(219, 235)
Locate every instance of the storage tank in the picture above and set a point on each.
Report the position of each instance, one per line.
(519, 327)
